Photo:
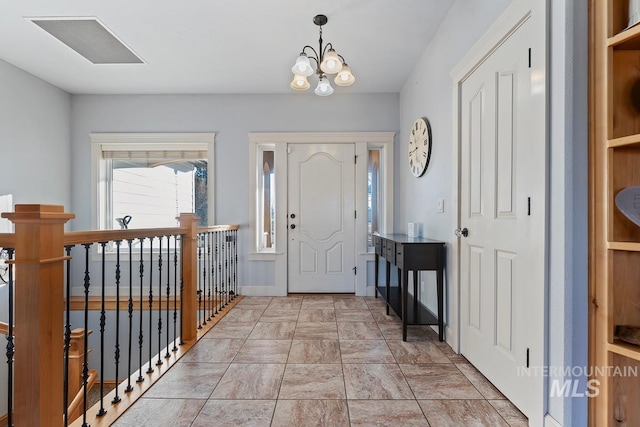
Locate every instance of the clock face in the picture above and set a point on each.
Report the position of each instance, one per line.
(419, 147)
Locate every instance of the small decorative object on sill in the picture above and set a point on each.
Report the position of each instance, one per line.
(628, 202)
(628, 334)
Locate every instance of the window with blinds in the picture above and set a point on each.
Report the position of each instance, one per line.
(148, 185)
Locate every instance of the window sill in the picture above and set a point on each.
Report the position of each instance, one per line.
(263, 256)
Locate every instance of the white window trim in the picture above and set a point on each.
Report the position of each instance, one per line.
(280, 140)
(255, 253)
(145, 141)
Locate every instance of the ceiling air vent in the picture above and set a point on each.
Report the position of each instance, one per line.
(90, 38)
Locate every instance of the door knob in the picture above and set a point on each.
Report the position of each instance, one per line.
(461, 232)
(292, 226)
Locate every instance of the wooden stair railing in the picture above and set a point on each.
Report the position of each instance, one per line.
(4, 328)
(39, 242)
(76, 361)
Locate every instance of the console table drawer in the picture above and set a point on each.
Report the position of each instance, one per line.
(399, 255)
(390, 254)
(377, 242)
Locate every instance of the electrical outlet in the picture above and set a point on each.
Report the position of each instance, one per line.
(440, 206)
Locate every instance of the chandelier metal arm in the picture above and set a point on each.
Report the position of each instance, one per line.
(328, 46)
(315, 56)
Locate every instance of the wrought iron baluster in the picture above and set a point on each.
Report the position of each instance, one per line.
(159, 362)
(208, 270)
(129, 388)
(116, 398)
(220, 272)
(67, 337)
(10, 345)
(235, 263)
(167, 354)
(140, 333)
(199, 291)
(103, 317)
(226, 265)
(150, 369)
(85, 363)
(181, 284)
(175, 293)
(214, 269)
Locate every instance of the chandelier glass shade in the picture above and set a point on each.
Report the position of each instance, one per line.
(327, 62)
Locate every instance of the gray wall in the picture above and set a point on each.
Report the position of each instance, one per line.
(231, 117)
(428, 92)
(34, 139)
(34, 153)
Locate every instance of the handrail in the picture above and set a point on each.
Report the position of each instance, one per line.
(4, 328)
(74, 406)
(80, 237)
(230, 227)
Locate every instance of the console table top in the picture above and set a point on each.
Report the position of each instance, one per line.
(403, 238)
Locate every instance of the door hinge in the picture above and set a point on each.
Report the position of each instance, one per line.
(527, 357)
(355, 159)
(355, 214)
(355, 270)
(288, 149)
(528, 206)
(529, 57)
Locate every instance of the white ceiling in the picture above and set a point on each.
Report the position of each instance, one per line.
(223, 46)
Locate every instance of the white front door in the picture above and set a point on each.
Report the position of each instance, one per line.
(321, 217)
(500, 170)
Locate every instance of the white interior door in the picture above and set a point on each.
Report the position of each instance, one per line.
(499, 173)
(321, 198)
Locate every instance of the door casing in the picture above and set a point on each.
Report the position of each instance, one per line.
(363, 141)
(510, 20)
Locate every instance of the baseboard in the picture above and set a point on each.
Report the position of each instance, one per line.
(261, 291)
(451, 339)
(549, 421)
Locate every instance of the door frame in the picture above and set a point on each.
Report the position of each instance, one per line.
(510, 20)
(362, 141)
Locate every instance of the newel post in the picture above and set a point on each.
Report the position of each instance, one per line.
(39, 313)
(188, 296)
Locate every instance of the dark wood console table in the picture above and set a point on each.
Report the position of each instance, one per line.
(415, 254)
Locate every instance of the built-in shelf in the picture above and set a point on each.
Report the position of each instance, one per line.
(624, 246)
(614, 240)
(627, 39)
(623, 349)
(625, 141)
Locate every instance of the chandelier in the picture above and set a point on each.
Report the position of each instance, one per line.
(327, 62)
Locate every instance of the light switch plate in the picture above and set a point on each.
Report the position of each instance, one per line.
(440, 206)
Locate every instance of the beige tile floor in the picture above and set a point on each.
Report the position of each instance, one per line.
(321, 361)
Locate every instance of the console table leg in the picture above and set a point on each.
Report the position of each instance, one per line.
(388, 277)
(403, 293)
(376, 274)
(440, 296)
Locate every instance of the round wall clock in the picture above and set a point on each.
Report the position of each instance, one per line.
(419, 147)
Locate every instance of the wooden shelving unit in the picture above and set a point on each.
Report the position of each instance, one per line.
(614, 252)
